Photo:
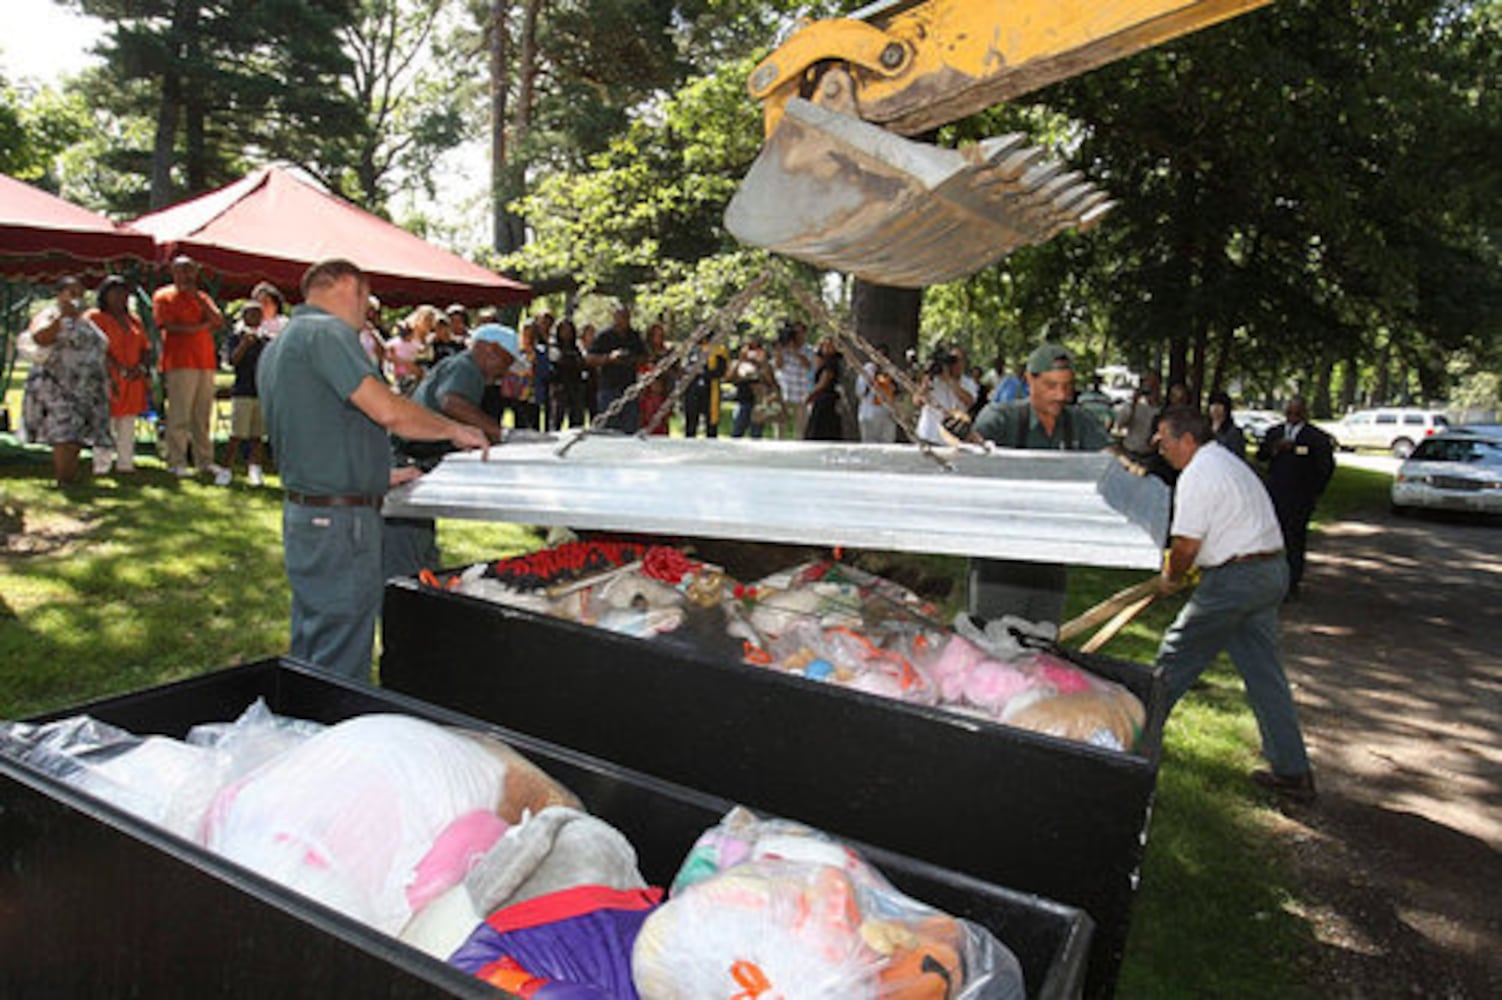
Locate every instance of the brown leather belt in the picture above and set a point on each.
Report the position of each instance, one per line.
(334, 500)
(1254, 557)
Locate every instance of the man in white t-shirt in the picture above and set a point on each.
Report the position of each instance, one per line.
(1224, 523)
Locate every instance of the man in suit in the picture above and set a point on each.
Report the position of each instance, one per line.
(1300, 460)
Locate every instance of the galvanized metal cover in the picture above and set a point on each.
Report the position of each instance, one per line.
(1074, 508)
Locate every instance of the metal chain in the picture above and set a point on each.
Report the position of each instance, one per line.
(853, 346)
(728, 313)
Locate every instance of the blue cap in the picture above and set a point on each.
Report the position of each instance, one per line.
(495, 333)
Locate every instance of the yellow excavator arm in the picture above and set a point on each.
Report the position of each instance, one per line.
(837, 186)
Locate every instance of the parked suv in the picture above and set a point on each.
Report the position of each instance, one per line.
(1396, 429)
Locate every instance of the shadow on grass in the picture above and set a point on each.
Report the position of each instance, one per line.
(140, 581)
(1213, 917)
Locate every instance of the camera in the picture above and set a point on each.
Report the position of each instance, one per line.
(940, 362)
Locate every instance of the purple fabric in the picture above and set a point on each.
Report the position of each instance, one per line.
(588, 956)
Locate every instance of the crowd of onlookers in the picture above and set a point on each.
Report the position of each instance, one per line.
(91, 377)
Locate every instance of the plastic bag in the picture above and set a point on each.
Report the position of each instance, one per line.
(161, 780)
(769, 907)
(157, 779)
(1040, 692)
(347, 816)
(841, 655)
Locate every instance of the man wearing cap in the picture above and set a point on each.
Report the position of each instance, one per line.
(187, 319)
(1224, 523)
(327, 412)
(1046, 420)
(454, 388)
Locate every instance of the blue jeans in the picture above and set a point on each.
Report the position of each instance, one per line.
(741, 423)
(409, 545)
(1235, 608)
(333, 558)
(629, 419)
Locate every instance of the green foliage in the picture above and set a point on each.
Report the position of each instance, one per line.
(410, 95)
(654, 197)
(38, 124)
(1289, 183)
(221, 81)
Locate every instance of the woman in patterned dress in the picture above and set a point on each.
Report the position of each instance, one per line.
(67, 401)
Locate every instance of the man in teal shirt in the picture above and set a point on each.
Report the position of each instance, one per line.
(327, 415)
(454, 388)
(1046, 420)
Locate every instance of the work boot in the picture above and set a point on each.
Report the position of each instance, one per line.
(1294, 787)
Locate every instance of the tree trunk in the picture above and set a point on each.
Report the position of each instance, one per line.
(1384, 376)
(1318, 396)
(512, 179)
(526, 74)
(887, 317)
(500, 79)
(169, 108)
(194, 113)
(1349, 383)
(1196, 374)
(1224, 344)
(1178, 361)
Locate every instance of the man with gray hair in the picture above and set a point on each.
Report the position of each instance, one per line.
(1223, 523)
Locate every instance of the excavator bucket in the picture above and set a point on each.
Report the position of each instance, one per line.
(849, 196)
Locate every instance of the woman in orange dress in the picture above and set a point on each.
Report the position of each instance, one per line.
(129, 366)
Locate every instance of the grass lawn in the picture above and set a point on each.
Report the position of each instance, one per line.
(120, 584)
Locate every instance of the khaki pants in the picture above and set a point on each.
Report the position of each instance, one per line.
(190, 409)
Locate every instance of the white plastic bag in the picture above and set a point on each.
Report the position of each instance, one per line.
(346, 816)
(772, 908)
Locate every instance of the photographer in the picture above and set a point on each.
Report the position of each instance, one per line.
(944, 391)
(245, 423)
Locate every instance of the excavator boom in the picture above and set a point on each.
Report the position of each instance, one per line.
(837, 186)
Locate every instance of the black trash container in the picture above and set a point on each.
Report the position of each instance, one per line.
(1055, 817)
(95, 903)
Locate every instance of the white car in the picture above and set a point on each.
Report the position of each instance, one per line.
(1457, 470)
(1256, 423)
(1395, 429)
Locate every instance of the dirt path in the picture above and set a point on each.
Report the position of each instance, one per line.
(1396, 653)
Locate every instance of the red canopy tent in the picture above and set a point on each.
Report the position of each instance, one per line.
(43, 237)
(270, 225)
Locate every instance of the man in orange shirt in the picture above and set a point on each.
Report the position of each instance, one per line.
(187, 319)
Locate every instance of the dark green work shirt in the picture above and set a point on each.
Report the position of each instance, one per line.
(1015, 425)
(456, 375)
(324, 444)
